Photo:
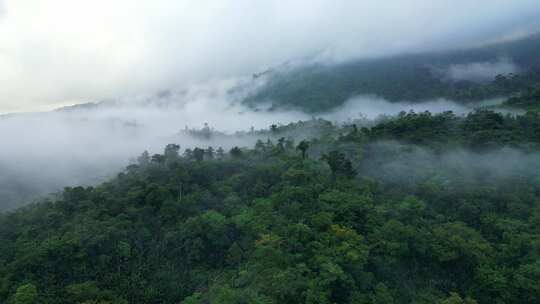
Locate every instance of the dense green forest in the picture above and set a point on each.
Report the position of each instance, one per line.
(418, 208)
(317, 88)
(415, 77)
(527, 99)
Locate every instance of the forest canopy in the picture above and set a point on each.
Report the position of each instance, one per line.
(419, 208)
(498, 70)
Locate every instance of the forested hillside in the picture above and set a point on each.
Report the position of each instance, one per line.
(419, 208)
(481, 74)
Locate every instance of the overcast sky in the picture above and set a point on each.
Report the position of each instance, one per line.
(57, 52)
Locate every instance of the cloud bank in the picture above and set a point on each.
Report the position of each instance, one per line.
(56, 52)
(481, 71)
(43, 152)
(411, 165)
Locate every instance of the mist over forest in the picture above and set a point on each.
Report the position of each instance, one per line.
(267, 152)
(87, 143)
(84, 145)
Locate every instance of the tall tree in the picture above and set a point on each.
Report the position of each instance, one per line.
(171, 152)
(303, 146)
(220, 153)
(188, 154)
(144, 159)
(209, 153)
(26, 294)
(198, 154)
(339, 164)
(236, 152)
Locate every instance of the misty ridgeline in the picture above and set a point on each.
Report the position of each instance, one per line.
(398, 174)
(365, 205)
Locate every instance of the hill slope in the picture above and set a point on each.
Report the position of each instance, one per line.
(417, 209)
(463, 75)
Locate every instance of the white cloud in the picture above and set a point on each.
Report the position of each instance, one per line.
(64, 51)
(481, 71)
(50, 150)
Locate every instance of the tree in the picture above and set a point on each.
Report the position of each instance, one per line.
(81, 292)
(198, 154)
(289, 143)
(382, 295)
(26, 294)
(144, 159)
(206, 131)
(220, 153)
(171, 153)
(209, 153)
(267, 229)
(526, 279)
(158, 158)
(260, 146)
(339, 165)
(280, 147)
(236, 152)
(188, 154)
(455, 298)
(303, 146)
(269, 146)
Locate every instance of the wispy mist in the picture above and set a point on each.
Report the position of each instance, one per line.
(58, 52)
(196, 55)
(372, 107)
(86, 144)
(411, 165)
(481, 71)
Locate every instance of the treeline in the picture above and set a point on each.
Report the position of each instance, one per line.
(319, 220)
(481, 129)
(528, 99)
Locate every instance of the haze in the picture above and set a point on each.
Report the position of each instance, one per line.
(60, 52)
(155, 67)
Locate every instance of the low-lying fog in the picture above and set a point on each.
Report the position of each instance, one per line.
(481, 71)
(409, 165)
(43, 152)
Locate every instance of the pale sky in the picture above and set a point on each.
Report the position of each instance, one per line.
(58, 52)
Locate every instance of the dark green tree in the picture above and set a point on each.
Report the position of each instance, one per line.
(171, 153)
(236, 152)
(198, 154)
(26, 294)
(158, 158)
(339, 164)
(303, 146)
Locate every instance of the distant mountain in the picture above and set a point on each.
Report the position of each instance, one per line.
(464, 75)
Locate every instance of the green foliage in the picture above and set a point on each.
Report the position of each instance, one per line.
(479, 130)
(414, 77)
(454, 298)
(26, 294)
(236, 152)
(339, 165)
(394, 213)
(303, 146)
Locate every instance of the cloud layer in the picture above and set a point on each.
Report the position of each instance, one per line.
(56, 52)
(481, 71)
(43, 152)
